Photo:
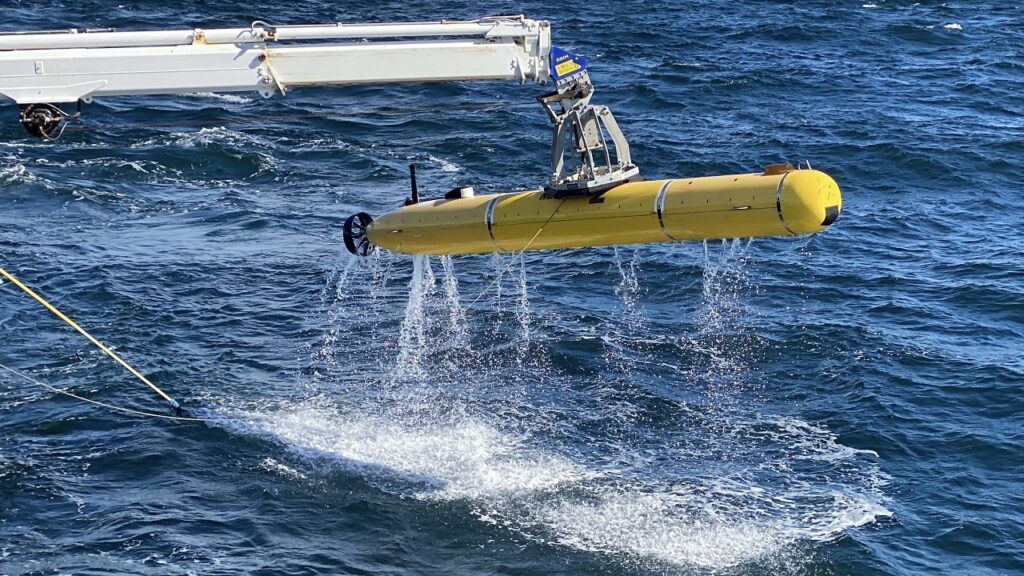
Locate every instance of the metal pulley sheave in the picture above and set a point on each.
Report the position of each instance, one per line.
(45, 120)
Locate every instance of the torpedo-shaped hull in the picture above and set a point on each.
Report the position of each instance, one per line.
(773, 203)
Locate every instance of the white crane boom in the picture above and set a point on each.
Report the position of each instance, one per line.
(41, 71)
(65, 67)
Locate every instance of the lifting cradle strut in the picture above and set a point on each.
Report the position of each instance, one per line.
(45, 71)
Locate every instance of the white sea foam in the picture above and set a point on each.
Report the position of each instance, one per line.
(15, 174)
(232, 98)
(272, 465)
(446, 166)
(20, 174)
(953, 26)
(846, 512)
(712, 523)
(232, 140)
(459, 460)
(652, 526)
(204, 137)
(142, 166)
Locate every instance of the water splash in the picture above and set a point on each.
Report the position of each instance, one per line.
(332, 299)
(724, 275)
(412, 336)
(380, 275)
(523, 316)
(723, 341)
(628, 288)
(714, 487)
(498, 267)
(349, 307)
(456, 314)
(631, 320)
(625, 334)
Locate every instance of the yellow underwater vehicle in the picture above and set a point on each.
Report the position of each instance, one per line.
(780, 201)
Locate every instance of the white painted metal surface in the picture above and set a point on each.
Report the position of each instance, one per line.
(66, 67)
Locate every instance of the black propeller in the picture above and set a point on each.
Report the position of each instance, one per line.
(355, 234)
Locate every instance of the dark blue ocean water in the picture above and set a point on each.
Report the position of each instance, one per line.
(847, 403)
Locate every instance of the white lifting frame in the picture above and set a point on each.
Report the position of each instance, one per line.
(68, 66)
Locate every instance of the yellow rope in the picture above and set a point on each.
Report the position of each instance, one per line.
(82, 331)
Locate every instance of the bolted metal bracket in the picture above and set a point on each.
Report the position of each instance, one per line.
(589, 153)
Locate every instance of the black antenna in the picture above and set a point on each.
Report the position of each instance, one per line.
(415, 197)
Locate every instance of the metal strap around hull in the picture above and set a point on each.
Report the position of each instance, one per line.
(778, 204)
(489, 221)
(659, 207)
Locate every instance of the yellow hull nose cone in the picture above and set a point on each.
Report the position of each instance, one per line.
(809, 201)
